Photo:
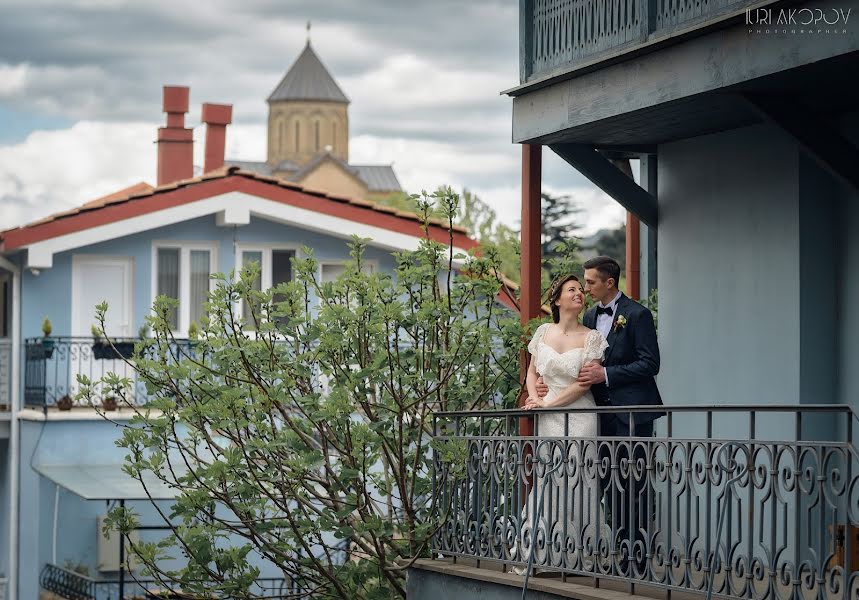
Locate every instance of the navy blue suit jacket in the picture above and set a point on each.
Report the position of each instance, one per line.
(631, 361)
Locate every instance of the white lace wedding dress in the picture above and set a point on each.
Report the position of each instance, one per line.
(567, 523)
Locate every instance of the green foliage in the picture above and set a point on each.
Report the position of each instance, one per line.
(314, 432)
(480, 220)
(558, 241)
(613, 243)
(652, 302)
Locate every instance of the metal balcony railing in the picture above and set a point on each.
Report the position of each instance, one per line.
(52, 366)
(561, 33)
(5, 374)
(69, 584)
(762, 499)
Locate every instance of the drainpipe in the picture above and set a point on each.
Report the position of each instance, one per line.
(14, 476)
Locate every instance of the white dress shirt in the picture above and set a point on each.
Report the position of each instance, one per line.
(604, 322)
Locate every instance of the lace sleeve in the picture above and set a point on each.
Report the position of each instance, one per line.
(538, 335)
(595, 346)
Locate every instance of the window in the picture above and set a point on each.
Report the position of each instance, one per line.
(334, 136)
(275, 268)
(297, 138)
(316, 134)
(282, 140)
(183, 272)
(329, 271)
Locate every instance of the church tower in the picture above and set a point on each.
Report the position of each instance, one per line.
(307, 115)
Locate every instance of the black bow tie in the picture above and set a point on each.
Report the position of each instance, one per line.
(607, 310)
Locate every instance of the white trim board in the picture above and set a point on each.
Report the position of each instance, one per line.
(232, 208)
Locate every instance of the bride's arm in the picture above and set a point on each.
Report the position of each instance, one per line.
(531, 381)
(571, 393)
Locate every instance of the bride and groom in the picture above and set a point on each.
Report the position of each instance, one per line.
(610, 359)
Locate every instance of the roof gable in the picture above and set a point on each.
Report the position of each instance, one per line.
(42, 237)
(308, 79)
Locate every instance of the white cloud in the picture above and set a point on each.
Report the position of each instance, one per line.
(52, 171)
(12, 79)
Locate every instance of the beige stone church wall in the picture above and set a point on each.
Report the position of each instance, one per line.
(331, 178)
(284, 117)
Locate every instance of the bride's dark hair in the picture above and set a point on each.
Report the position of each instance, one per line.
(555, 292)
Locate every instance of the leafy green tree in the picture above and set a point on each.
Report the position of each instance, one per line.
(311, 435)
(481, 221)
(558, 231)
(613, 243)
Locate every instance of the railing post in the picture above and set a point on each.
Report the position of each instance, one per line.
(526, 39)
(847, 523)
(647, 13)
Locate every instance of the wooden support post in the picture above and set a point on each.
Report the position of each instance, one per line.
(633, 256)
(529, 301)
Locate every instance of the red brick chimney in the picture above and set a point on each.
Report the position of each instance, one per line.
(175, 142)
(216, 117)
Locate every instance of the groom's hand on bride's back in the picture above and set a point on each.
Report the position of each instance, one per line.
(542, 388)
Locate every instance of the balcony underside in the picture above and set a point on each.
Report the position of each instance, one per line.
(691, 89)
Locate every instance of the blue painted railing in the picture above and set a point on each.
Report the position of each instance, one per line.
(557, 34)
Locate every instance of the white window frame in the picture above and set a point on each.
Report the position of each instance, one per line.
(342, 262)
(265, 268)
(185, 248)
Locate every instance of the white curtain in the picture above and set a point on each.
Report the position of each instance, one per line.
(168, 279)
(200, 272)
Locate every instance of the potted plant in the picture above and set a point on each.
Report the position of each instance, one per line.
(44, 348)
(108, 403)
(101, 348)
(65, 403)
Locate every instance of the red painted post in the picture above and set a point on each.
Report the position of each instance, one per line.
(175, 142)
(633, 256)
(216, 117)
(529, 301)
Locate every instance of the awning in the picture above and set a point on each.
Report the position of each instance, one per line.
(105, 482)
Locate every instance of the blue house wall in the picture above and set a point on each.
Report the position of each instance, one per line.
(49, 293)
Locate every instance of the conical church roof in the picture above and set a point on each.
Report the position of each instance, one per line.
(308, 79)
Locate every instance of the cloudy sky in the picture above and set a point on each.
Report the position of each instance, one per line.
(80, 92)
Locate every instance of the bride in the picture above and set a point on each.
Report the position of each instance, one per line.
(570, 511)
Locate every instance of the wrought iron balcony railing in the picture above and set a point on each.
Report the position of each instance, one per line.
(52, 365)
(760, 502)
(558, 34)
(69, 584)
(5, 374)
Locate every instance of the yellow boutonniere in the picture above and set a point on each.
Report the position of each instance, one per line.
(620, 323)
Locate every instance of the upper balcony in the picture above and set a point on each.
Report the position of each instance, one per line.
(633, 74)
(558, 36)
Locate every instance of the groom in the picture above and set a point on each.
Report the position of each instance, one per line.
(626, 378)
(631, 362)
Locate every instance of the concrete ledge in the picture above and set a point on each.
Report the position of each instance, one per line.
(81, 413)
(441, 578)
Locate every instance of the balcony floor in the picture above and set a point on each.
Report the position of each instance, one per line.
(465, 579)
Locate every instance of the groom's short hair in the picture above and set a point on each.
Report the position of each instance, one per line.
(606, 266)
